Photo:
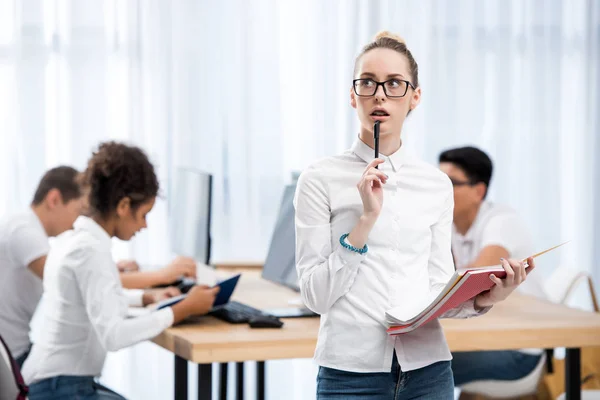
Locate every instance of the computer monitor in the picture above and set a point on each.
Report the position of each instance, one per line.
(190, 214)
(280, 264)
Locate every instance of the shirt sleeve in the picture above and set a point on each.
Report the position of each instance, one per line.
(506, 231)
(27, 244)
(325, 273)
(135, 297)
(106, 304)
(441, 263)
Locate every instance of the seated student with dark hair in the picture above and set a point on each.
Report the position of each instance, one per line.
(24, 245)
(86, 307)
(483, 233)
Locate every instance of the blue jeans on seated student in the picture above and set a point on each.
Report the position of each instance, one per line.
(503, 365)
(71, 388)
(433, 382)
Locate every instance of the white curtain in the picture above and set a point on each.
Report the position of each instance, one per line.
(253, 90)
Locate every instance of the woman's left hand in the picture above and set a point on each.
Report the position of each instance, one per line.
(516, 273)
(152, 296)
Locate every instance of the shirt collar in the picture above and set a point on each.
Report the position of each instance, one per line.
(39, 221)
(469, 236)
(367, 154)
(89, 225)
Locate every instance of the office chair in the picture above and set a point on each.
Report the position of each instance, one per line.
(11, 381)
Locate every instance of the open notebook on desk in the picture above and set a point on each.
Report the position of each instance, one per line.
(465, 284)
(227, 286)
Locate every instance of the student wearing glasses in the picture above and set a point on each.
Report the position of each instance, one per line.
(482, 233)
(368, 240)
(85, 313)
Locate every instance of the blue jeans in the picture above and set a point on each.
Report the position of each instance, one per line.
(433, 382)
(71, 388)
(502, 365)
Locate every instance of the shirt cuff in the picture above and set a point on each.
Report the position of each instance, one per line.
(135, 297)
(165, 317)
(469, 310)
(348, 258)
(465, 310)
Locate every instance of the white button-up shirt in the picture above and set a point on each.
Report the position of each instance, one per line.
(409, 258)
(85, 309)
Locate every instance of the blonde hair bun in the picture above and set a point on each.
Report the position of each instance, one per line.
(389, 35)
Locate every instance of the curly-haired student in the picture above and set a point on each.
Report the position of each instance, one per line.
(86, 306)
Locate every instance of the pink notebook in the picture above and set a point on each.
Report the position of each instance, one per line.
(464, 285)
(472, 283)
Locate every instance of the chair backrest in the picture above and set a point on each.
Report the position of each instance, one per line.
(583, 277)
(11, 382)
(563, 287)
(563, 284)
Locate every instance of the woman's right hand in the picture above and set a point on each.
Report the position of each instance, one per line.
(370, 188)
(199, 301)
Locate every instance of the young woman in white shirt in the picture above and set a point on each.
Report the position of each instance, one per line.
(359, 256)
(86, 306)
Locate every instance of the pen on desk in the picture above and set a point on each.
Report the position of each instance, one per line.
(376, 137)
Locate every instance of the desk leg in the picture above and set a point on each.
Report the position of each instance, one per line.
(573, 374)
(239, 377)
(260, 380)
(181, 381)
(205, 381)
(223, 381)
(549, 358)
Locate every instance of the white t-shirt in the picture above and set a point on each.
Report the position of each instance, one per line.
(497, 225)
(22, 240)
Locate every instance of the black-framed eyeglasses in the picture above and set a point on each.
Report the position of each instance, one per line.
(461, 183)
(366, 87)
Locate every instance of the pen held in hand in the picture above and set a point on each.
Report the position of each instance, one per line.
(376, 137)
(544, 252)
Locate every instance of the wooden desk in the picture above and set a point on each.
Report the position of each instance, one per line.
(509, 325)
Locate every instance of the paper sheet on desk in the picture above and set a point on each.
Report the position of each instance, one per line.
(206, 275)
(133, 312)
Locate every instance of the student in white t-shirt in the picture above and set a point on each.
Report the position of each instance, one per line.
(482, 234)
(23, 248)
(85, 313)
